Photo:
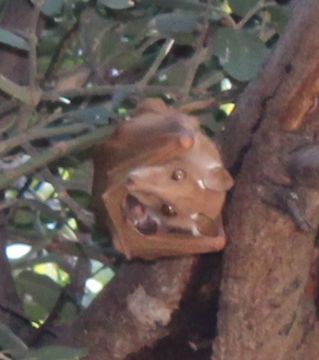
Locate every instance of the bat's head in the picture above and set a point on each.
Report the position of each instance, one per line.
(187, 189)
(177, 180)
(167, 182)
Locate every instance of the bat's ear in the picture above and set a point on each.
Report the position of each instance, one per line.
(152, 105)
(218, 179)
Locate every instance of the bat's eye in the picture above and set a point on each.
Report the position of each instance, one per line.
(168, 210)
(178, 174)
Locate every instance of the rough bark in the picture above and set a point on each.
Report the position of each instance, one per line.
(134, 311)
(264, 312)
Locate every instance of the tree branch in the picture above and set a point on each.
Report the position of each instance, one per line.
(268, 258)
(56, 152)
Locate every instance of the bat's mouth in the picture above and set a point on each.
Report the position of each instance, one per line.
(149, 222)
(146, 221)
(138, 214)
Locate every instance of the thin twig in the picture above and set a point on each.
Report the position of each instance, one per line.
(147, 43)
(156, 64)
(19, 92)
(38, 205)
(53, 117)
(253, 11)
(58, 51)
(56, 152)
(41, 133)
(211, 80)
(33, 42)
(81, 214)
(104, 90)
(197, 59)
(200, 54)
(228, 21)
(8, 125)
(3, 356)
(31, 94)
(108, 90)
(8, 106)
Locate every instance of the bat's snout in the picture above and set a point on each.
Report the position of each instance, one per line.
(133, 181)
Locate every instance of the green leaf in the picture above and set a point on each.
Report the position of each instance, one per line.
(191, 5)
(279, 17)
(52, 7)
(42, 289)
(11, 39)
(24, 217)
(209, 121)
(174, 74)
(96, 115)
(116, 4)
(135, 27)
(240, 53)
(8, 340)
(126, 61)
(210, 78)
(56, 353)
(68, 313)
(176, 22)
(241, 7)
(27, 262)
(81, 197)
(104, 276)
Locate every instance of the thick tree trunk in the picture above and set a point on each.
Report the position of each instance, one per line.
(134, 311)
(264, 312)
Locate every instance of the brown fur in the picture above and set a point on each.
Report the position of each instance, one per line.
(139, 162)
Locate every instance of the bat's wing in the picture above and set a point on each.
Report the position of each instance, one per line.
(143, 143)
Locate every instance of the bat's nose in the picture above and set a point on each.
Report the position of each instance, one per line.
(132, 179)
